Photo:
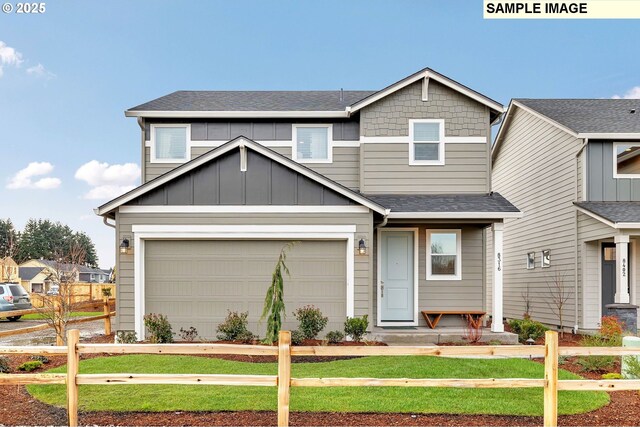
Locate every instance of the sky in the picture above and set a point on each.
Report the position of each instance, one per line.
(67, 75)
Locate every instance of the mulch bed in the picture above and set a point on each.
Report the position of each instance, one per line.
(20, 408)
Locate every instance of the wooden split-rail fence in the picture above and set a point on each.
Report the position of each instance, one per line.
(283, 380)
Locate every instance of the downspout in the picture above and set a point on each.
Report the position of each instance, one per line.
(575, 246)
(143, 151)
(384, 219)
(105, 221)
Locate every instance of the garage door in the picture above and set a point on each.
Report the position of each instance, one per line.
(195, 282)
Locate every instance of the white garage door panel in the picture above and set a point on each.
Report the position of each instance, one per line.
(195, 282)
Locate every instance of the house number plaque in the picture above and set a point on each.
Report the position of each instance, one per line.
(499, 260)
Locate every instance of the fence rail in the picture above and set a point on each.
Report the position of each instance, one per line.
(283, 381)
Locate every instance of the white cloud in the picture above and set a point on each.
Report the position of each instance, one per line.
(108, 181)
(23, 179)
(40, 71)
(9, 56)
(633, 93)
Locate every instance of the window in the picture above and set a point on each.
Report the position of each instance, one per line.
(312, 143)
(169, 143)
(626, 162)
(426, 142)
(444, 260)
(531, 260)
(546, 258)
(610, 253)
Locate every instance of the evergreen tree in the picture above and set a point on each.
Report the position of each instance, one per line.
(8, 238)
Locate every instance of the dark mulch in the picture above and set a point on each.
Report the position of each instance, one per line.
(624, 410)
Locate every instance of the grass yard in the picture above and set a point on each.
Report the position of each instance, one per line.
(38, 316)
(340, 399)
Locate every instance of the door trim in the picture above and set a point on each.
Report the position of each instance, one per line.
(415, 276)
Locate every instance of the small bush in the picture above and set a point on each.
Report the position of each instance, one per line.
(106, 292)
(335, 337)
(159, 328)
(631, 367)
(311, 321)
(126, 337)
(297, 337)
(189, 335)
(597, 363)
(611, 329)
(234, 327)
(4, 365)
(526, 329)
(612, 376)
(30, 366)
(39, 358)
(356, 327)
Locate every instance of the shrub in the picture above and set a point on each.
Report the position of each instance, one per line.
(356, 327)
(631, 367)
(40, 358)
(297, 337)
(596, 363)
(126, 337)
(612, 376)
(611, 329)
(311, 321)
(159, 328)
(335, 337)
(234, 327)
(4, 365)
(30, 366)
(189, 335)
(527, 328)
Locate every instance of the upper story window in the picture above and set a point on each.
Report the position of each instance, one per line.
(426, 142)
(444, 255)
(626, 161)
(312, 143)
(169, 143)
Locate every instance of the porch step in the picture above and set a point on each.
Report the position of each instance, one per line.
(423, 336)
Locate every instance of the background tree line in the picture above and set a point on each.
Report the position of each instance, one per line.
(44, 239)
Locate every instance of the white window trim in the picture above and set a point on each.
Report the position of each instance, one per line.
(294, 142)
(532, 267)
(458, 275)
(440, 142)
(152, 154)
(416, 275)
(144, 232)
(615, 162)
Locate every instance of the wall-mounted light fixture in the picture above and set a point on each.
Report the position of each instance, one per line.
(362, 247)
(124, 246)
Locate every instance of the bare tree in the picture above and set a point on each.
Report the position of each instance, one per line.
(57, 306)
(526, 297)
(559, 296)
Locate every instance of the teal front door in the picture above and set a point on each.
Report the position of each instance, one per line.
(396, 287)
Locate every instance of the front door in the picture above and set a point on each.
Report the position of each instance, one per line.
(397, 277)
(608, 275)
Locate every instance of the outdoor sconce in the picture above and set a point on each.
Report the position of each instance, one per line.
(124, 246)
(362, 247)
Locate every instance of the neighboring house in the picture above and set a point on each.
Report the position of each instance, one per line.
(572, 166)
(8, 270)
(75, 272)
(388, 194)
(35, 279)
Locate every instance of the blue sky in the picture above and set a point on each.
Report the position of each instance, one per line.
(68, 74)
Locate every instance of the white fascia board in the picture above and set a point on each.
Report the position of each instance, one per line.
(234, 229)
(235, 114)
(454, 215)
(242, 209)
(609, 135)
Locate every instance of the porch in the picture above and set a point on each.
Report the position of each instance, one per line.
(420, 335)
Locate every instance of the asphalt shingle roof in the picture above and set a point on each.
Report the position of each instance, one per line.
(590, 115)
(313, 100)
(64, 266)
(28, 273)
(614, 211)
(492, 202)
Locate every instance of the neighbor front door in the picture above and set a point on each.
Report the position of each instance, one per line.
(396, 285)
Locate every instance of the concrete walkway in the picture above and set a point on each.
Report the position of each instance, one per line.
(440, 335)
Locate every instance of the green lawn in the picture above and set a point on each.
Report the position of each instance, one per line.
(343, 399)
(38, 316)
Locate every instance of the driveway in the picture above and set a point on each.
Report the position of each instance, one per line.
(46, 337)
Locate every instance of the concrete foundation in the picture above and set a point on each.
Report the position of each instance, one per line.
(441, 335)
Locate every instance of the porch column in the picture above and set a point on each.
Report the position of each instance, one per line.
(496, 283)
(622, 269)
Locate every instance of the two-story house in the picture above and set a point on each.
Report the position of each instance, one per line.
(387, 194)
(572, 166)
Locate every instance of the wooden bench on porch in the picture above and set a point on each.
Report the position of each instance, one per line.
(473, 317)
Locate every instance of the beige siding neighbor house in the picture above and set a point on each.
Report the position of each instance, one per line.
(387, 194)
(570, 165)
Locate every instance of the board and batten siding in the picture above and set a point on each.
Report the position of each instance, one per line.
(535, 170)
(125, 263)
(601, 185)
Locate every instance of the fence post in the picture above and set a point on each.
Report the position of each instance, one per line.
(107, 320)
(551, 379)
(57, 316)
(284, 377)
(73, 359)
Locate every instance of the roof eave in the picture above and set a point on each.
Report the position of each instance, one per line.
(235, 114)
(454, 215)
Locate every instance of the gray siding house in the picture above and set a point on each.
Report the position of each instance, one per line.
(388, 194)
(572, 166)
